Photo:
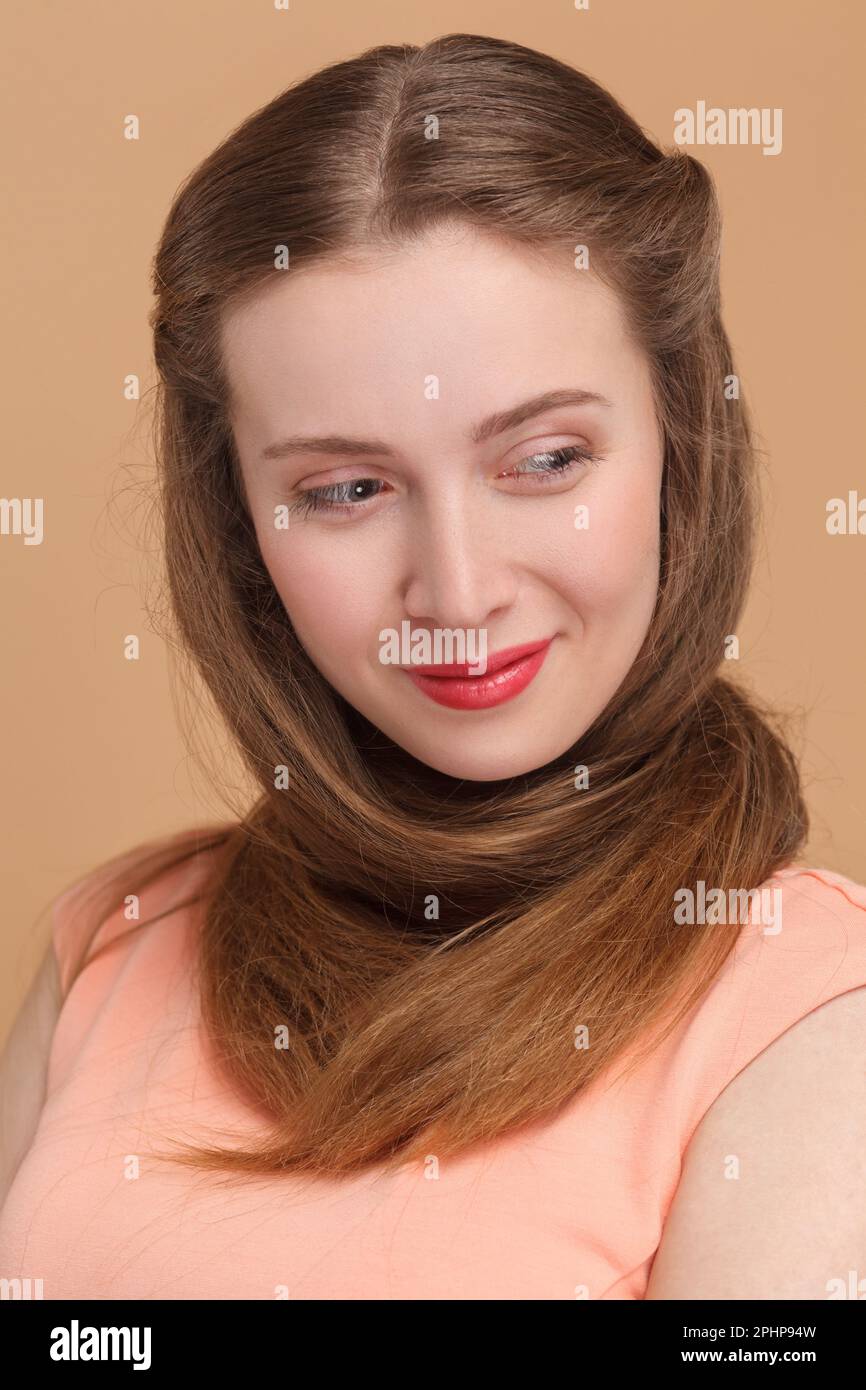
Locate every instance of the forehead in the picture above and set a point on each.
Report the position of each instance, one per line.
(483, 319)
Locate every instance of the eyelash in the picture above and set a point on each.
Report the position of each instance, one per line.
(322, 499)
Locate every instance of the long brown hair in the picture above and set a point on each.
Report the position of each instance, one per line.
(404, 1034)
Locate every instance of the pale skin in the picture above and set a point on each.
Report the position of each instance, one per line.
(794, 1220)
(452, 538)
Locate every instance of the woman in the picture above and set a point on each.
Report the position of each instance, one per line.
(507, 986)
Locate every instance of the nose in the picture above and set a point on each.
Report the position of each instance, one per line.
(460, 569)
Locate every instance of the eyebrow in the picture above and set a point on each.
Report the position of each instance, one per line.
(497, 423)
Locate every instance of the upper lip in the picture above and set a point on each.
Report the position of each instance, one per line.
(495, 661)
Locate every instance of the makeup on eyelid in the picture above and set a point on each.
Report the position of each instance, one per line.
(334, 497)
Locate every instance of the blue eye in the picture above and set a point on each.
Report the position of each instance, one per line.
(336, 496)
(551, 463)
(346, 497)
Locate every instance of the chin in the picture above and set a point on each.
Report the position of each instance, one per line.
(478, 762)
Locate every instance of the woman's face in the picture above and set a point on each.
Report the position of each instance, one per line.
(406, 476)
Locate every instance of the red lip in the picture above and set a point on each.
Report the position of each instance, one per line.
(506, 657)
(508, 673)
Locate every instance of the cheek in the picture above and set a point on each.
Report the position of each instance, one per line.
(331, 599)
(611, 569)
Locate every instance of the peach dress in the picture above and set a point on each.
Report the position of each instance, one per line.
(563, 1210)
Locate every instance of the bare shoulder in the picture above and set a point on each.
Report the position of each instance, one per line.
(770, 1202)
(23, 1068)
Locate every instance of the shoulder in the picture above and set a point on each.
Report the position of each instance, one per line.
(769, 1202)
(86, 915)
(132, 886)
(23, 1068)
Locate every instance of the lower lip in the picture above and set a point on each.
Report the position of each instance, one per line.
(481, 692)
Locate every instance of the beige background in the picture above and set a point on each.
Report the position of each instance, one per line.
(93, 761)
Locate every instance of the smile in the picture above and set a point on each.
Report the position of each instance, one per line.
(508, 673)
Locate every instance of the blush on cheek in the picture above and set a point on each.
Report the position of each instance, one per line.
(617, 557)
(332, 613)
(605, 572)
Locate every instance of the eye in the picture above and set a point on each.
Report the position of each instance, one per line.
(551, 463)
(337, 497)
(350, 496)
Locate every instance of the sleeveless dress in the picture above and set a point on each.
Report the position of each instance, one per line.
(569, 1209)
